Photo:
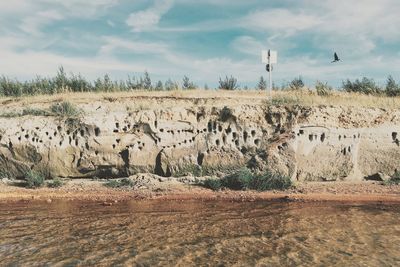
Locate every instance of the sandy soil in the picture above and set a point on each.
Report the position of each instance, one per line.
(88, 190)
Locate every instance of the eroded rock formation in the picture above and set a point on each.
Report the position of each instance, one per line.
(122, 138)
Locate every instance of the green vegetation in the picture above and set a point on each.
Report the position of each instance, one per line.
(262, 84)
(323, 89)
(392, 88)
(34, 179)
(394, 180)
(230, 83)
(364, 86)
(64, 109)
(125, 182)
(55, 183)
(244, 179)
(296, 84)
(187, 84)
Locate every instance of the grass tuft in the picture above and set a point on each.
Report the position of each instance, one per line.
(65, 109)
(125, 182)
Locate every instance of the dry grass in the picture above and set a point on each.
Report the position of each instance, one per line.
(302, 97)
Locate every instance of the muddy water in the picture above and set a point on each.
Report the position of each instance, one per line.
(167, 233)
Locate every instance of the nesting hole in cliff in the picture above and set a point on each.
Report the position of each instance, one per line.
(10, 144)
(209, 126)
(60, 143)
(200, 158)
(193, 138)
(55, 133)
(354, 136)
(155, 124)
(224, 139)
(115, 131)
(310, 137)
(237, 142)
(117, 125)
(394, 136)
(113, 146)
(19, 138)
(33, 139)
(301, 132)
(244, 150)
(47, 133)
(344, 136)
(96, 152)
(245, 135)
(76, 142)
(125, 129)
(97, 131)
(59, 128)
(219, 128)
(323, 137)
(217, 142)
(253, 133)
(257, 142)
(117, 140)
(349, 149)
(340, 137)
(214, 126)
(70, 140)
(344, 151)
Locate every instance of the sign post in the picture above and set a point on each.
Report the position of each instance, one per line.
(269, 57)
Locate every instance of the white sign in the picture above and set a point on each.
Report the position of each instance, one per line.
(269, 57)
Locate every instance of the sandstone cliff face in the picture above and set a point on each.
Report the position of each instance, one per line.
(172, 136)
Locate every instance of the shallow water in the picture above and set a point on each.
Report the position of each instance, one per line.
(170, 233)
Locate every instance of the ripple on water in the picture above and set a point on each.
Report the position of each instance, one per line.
(189, 233)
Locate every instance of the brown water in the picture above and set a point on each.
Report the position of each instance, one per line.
(195, 233)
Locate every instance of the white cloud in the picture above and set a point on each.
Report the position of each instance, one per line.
(33, 24)
(282, 20)
(148, 19)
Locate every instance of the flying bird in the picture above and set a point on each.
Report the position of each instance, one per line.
(335, 58)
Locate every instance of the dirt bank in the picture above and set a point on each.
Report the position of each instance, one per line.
(88, 190)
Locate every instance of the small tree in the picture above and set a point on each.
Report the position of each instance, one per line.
(187, 84)
(170, 85)
(392, 88)
(296, 83)
(262, 84)
(147, 81)
(159, 86)
(230, 83)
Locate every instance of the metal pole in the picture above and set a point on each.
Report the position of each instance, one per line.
(270, 73)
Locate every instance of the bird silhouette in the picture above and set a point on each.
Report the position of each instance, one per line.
(335, 58)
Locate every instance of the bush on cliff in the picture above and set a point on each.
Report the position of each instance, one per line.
(119, 183)
(244, 179)
(394, 180)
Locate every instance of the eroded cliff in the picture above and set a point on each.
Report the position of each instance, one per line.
(171, 136)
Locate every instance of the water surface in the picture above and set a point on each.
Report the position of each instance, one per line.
(196, 233)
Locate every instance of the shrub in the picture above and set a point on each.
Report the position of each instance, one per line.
(147, 81)
(55, 183)
(159, 86)
(34, 179)
(35, 112)
(239, 180)
(230, 83)
(323, 89)
(243, 179)
(262, 84)
(296, 84)
(125, 182)
(271, 181)
(171, 85)
(392, 88)
(365, 86)
(65, 109)
(213, 184)
(187, 84)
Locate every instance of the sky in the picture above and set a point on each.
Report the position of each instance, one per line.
(204, 40)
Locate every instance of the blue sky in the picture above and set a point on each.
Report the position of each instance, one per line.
(202, 39)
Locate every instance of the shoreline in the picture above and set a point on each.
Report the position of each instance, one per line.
(94, 191)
